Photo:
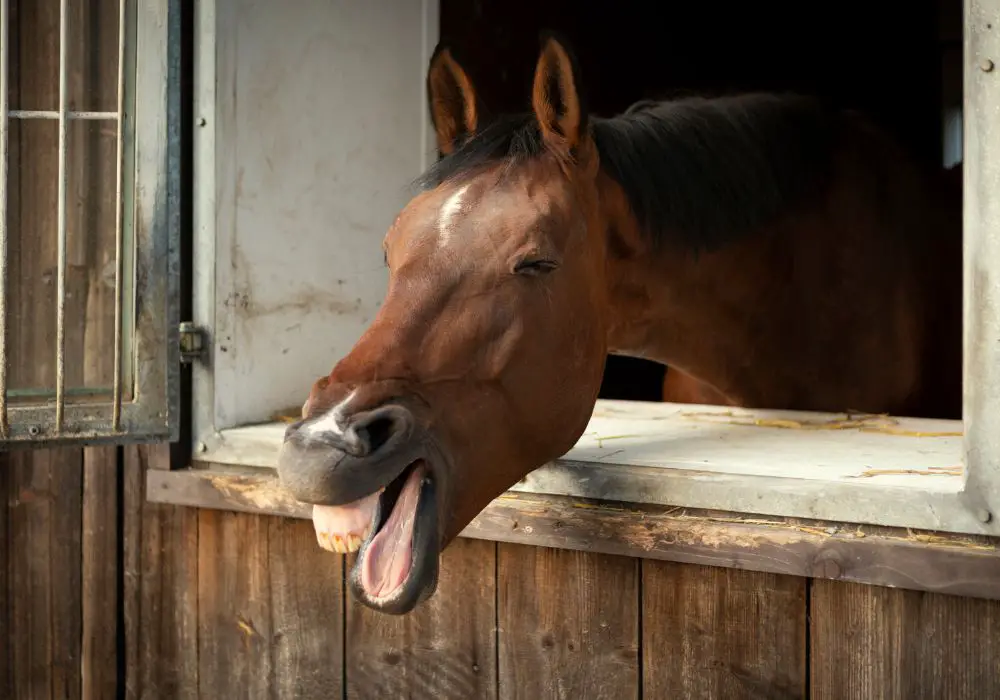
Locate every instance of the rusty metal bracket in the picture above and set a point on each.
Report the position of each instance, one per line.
(193, 342)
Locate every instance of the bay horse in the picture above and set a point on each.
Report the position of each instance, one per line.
(683, 388)
(782, 253)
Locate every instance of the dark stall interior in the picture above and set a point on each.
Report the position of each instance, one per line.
(898, 61)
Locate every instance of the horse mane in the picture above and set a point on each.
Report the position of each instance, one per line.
(697, 171)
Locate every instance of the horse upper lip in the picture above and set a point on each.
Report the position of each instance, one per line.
(322, 474)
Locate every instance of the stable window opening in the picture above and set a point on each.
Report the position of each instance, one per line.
(302, 160)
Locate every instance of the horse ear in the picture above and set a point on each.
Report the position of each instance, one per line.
(557, 98)
(452, 100)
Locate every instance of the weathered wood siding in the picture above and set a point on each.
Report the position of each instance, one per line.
(248, 605)
(220, 604)
(59, 534)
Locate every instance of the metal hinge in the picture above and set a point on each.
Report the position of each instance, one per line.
(193, 341)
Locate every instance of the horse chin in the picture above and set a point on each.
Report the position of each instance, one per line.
(397, 564)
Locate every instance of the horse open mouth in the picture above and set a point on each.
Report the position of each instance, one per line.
(395, 533)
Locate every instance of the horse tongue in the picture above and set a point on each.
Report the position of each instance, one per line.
(389, 555)
(343, 528)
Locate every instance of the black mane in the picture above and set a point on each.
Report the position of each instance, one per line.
(702, 170)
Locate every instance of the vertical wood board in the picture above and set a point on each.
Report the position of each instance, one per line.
(568, 624)
(874, 642)
(710, 632)
(444, 649)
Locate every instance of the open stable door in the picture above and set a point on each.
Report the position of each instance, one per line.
(89, 224)
(306, 149)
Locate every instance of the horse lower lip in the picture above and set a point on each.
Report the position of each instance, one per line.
(418, 580)
(386, 562)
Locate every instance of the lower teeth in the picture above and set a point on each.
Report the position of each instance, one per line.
(343, 544)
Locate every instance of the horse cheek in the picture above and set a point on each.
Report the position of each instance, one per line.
(500, 353)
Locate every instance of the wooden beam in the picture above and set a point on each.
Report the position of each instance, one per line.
(911, 559)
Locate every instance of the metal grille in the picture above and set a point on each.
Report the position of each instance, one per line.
(141, 245)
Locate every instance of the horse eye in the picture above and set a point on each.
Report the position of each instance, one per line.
(534, 267)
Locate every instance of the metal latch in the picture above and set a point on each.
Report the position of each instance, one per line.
(192, 341)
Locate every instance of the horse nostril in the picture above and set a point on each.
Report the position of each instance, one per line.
(359, 436)
(377, 432)
(380, 426)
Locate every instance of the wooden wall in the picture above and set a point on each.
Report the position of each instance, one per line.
(221, 604)
(60, 579)
(103, 595)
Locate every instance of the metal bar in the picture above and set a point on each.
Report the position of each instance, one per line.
(54, 114)
(4, 53)
(981, 258)
(94, 391)
(61, 217)
(116, 414)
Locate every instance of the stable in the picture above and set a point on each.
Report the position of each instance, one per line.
(200, 213)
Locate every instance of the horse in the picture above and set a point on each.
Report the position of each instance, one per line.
(782, 252)
(683, 388)
(678, 387)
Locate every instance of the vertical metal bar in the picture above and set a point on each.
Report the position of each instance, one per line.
(61, 218)
(4, 53)
(116, 415)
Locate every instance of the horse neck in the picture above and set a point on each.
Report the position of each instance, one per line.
(761, 319)
(693, 312)
(834, 306)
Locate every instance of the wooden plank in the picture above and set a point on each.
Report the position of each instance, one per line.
(913, 559)
(255, 491)
(101, 573)
(6, 599)
(43, 487)
(32, 199)
(306, 608)
(161, 586)
(568, 624)
(270, 619)
(234, 620)
(869, 642)
(44, 572)
(883, 556)
(92, 85)
(65, 555)
(30, 658)
(720, 633)
(445, 648)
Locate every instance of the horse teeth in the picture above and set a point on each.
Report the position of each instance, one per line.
(342, 544)
(323, 538)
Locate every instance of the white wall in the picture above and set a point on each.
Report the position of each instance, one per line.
(320, 124)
